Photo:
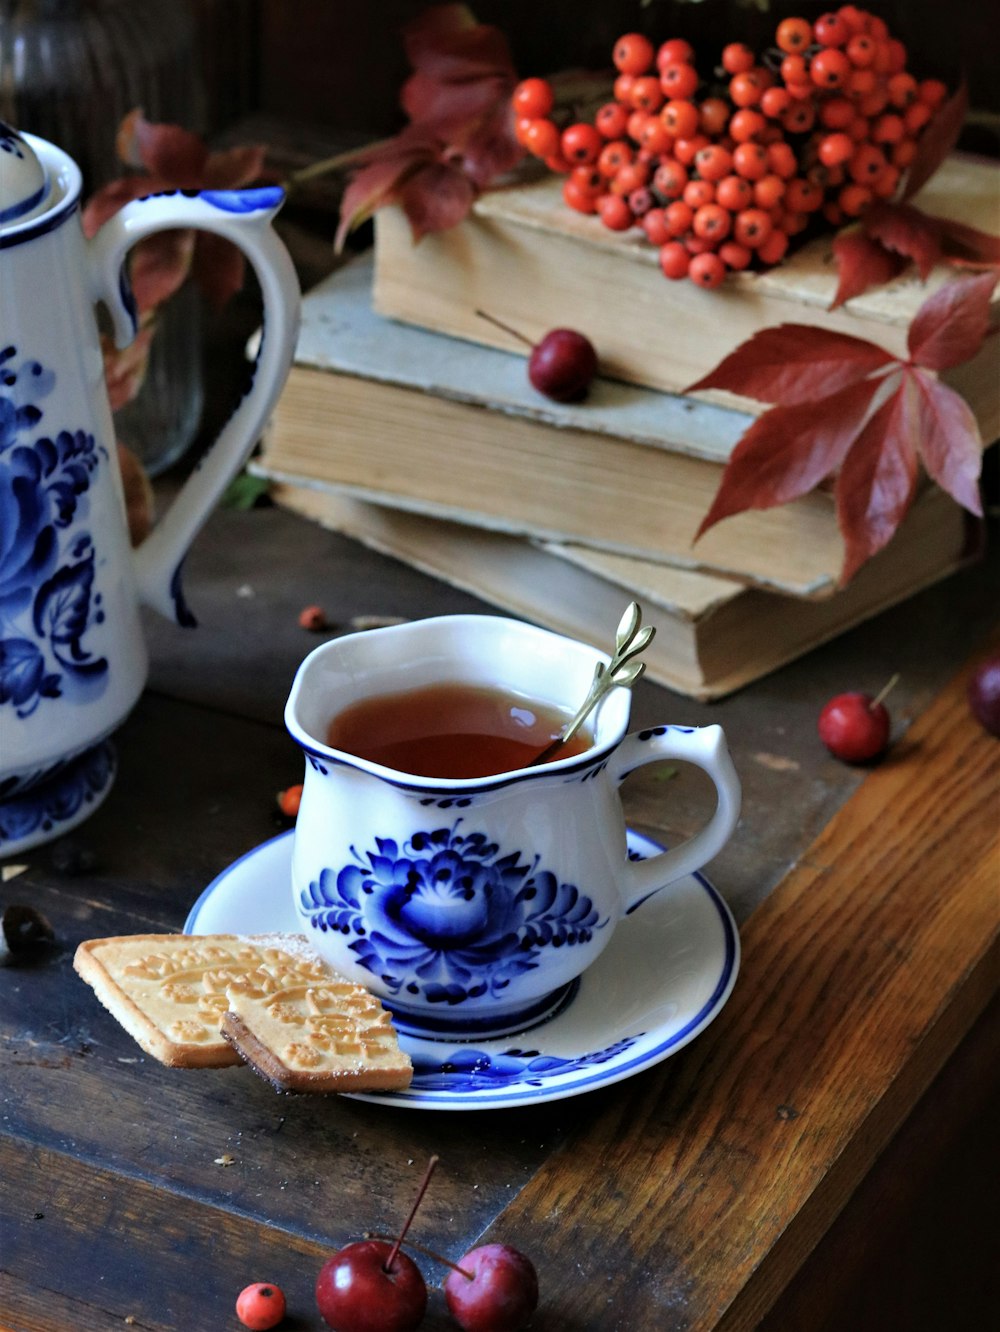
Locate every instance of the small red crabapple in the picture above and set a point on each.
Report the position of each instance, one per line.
(260, 1306)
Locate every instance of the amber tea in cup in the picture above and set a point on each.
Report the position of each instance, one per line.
(451, 729)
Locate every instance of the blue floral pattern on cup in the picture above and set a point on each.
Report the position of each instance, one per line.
(47, 597)
(446, 915)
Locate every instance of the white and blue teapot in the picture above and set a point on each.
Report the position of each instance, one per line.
(72, 658)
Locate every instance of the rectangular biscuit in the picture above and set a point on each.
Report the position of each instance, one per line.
(307, 1037)
(170, 992)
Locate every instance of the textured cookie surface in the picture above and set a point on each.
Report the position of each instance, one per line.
(169, 991)
(331, 1036)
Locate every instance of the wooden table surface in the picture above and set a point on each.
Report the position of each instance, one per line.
(700, 1194)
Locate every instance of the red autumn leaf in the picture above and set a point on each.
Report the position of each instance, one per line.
(383, 173)
(862, 263)
(450, 46)
(232, 168)
(159, 266)
(110, 198)
(936, 142)
(436, 197)
(968, 247)
(877, 480)
(175, 154)
(950, 326)
(794, 363)
(907, 231)
(949, 439)
(789, 450)
(125, 367)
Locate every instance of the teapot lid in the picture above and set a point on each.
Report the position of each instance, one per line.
(24, 183)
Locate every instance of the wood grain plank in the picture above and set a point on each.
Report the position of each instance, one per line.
(693, 1199)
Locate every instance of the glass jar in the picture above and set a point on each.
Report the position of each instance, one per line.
(70, 70)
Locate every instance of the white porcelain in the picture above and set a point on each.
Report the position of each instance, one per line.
(72, 657)
(470, 906)
(665, 975)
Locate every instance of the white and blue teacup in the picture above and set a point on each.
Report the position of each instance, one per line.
(472, 906)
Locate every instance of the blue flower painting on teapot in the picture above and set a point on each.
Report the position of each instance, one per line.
(72, 658)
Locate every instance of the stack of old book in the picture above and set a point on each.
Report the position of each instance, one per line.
(402, 427)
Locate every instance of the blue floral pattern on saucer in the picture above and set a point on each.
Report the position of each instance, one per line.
(48, 601)
(447, 915)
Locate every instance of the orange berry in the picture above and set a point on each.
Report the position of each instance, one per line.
(855, 18)
(747, 123)
(794, 69)
(873, 103)
(746, 89)
(678, 217)
(633, 53)
(774, 101)
(831, 30)
(799, 118)
(577, 198)
(697, 193)
(611, 120)
(803, 196)
(655, 138)
(933, 92)
(734, 255)
(674, 260)
(835, 148)
(773, 249)
(794, 34)
(669, 179)
(646, 94)
(521, 125)
(680, 117)
(614, 156)
(713, 162)
(614, 212)
(558, 164)
(750, 160)
(897, 56)
(712, 222)
(837, 113)
(622, 87)
(533, 98)
(867, 164)
(737, 58)
(752, 227)
(313, 618)
(854, 199)
(889, 128)
(902, 89)
(861, 82)
(674, 52)
(793, 223)
(679, 80)
(289, 800)
(588, 178)
(903, 153)
(860, 50)
(542, 138)
(707, 270)
(581, 143)
(768, 191)
(734, 193)
(830, 68)
(885, 185)
(916, 117)
(714, 116)
(654, 224)
(781, 160)
(631, 176)
(637, 122)
(685, 150)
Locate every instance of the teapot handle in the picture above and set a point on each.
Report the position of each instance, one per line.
(243, 217)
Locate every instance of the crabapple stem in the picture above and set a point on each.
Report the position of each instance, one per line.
(880, 697)
(422, 1189)
(428, 1253)
(491, 319)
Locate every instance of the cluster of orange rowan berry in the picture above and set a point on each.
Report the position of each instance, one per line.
(721, 178)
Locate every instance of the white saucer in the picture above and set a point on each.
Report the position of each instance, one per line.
(664, 976)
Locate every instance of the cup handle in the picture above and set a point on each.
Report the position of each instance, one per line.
(243, 217)
(704, 746)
